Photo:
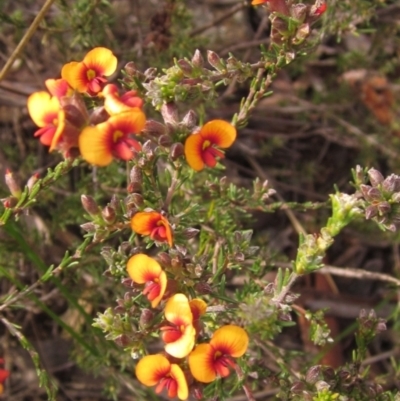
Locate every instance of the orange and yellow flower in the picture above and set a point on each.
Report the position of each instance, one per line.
(153, 224)
(3, 376)
(179, 335)
(201, 148)
(207, 361)
(257, 2)
(115, 104)
(145, 270)
(46, 113)
(88, 75)
(157, 370)
(113, 138)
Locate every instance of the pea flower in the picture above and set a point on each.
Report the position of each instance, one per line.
(157, 370)
(88, 74)
(207, 361)
(46, 113)
(201, 147)
(179, 334)
(115, 104)
(153, 224)
(99, 144)
(3, 376)
(145, 270)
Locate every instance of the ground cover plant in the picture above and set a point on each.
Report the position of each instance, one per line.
(212, 220)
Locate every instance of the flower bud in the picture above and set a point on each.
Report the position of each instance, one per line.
(190, 120)
(165, 259)
(165, 141)
(239, 257)
(122, 340)
(32, 180)
(108, 214)
(89, 227)
(127, 282)
(312, 374)
(214, 60)
(155, 128)
(299, 11)
(197, 59)
(130, 68)
(146, 318)
(136, 179)
(9, 202)
(148, 149)
(169, 111)
(90, 205)
(114, 202)
(176, 150)
(203, 288)
(370, 212)
(98, 115)
(302, 33)
(190, 232)
(384, 207)
(375, 177)
(391, 183)
(12, 184)
(176, 261)
(75, 110)
(185, 67)
(136, 199)
(318, 8)
(279, 6)
(150, 73)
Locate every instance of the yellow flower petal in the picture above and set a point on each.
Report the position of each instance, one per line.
(162, 281)
(179, 376)
(193, 151)
(130, 122)
(142, 268)
(219, 132)
(201, 363)
(75, 74)
(102, 59)
(144, 222)
(177, 310)
(41, 105)
(152, 368)
(231, 340)
(182, 347)
(94, 145)
(198, 307)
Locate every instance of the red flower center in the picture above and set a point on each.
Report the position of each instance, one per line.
(159, 233)
(222, 363)
(209, 154)
(152, 289)
(172, 333)
(168, 383)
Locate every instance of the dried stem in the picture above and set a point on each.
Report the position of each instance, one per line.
(34, 26)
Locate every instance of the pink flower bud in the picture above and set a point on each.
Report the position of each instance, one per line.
(12, 184)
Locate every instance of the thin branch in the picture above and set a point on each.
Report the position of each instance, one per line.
(358, 274)
(23, 42)
(217, 21)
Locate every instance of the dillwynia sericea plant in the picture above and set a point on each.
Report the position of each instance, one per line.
(178, 220)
